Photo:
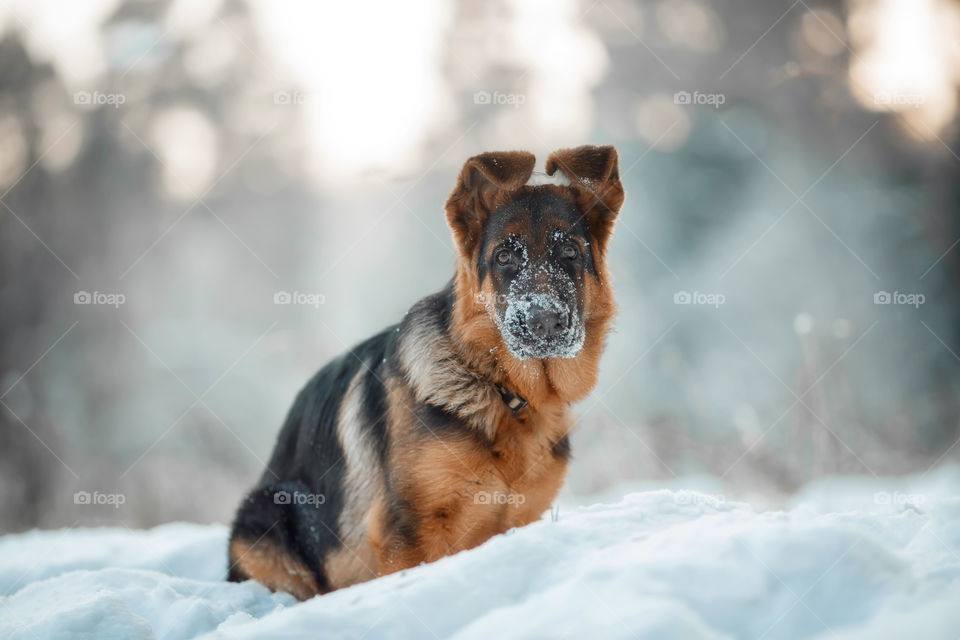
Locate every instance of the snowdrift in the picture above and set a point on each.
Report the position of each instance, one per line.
(659, 564)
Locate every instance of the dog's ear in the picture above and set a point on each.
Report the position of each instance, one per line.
(594, 174)
(484, 184)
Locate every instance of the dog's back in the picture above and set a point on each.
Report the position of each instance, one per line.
(326, 467)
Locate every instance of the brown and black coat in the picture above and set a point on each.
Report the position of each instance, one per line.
(453, 426)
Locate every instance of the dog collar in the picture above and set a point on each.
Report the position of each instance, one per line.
(514, 401)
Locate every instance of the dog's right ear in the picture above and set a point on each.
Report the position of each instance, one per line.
(485, 183)
(595, 175)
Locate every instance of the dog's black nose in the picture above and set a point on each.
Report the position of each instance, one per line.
(545, 322)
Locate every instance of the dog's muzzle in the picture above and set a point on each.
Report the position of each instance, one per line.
(540, 326)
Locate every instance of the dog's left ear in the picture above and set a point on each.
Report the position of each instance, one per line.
(485, 183)
(594, 174)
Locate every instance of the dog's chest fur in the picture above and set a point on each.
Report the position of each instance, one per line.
(471, 466)
(465, 489)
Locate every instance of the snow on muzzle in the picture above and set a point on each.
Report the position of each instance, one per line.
(541, 325)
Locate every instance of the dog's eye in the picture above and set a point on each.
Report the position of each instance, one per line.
(504, 256)
(569, 251)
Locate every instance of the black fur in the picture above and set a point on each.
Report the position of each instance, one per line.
(309, 460)
(537, 207)
(561, 448)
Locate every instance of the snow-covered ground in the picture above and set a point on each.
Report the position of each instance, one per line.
(849, 558)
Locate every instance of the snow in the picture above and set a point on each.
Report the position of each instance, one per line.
(847, 559)
(539, 179)
(550, 288)
(119, 583)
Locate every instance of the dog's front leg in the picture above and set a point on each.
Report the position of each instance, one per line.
(394, 546)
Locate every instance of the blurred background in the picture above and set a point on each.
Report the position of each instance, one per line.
(201, 202)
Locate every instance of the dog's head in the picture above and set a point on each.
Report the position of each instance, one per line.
(532, 247)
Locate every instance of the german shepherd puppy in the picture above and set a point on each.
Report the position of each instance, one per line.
(452, 426)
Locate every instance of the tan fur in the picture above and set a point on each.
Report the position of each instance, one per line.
(351, 564)
(354, 562)
(277, 569)
(454, 483)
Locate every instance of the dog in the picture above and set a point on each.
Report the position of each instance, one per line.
(453, 425)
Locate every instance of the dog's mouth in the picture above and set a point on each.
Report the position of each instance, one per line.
(541, 327)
